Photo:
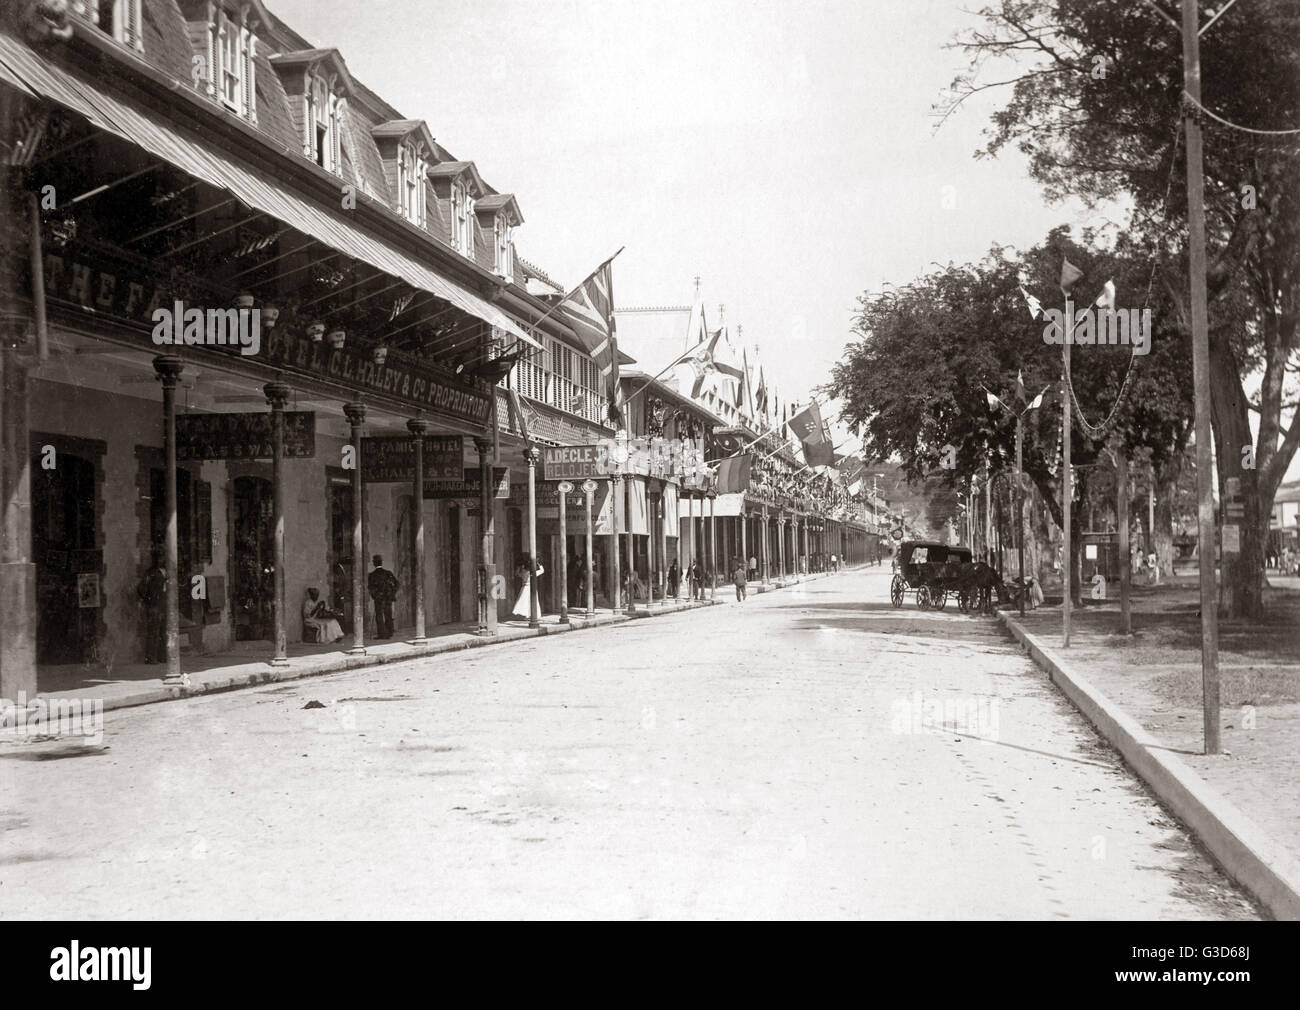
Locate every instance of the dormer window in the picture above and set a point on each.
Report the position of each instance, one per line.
(324, 125)
(118, 18)
(504, 249)
(462, 217)
(411, 186)
(229, 48)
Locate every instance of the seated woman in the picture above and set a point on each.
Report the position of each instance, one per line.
(320, 618)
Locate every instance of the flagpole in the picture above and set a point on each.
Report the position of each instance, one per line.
(545, 315)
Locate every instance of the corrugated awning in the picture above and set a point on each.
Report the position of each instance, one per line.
(23, 68)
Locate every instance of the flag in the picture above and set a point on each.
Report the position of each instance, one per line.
(807, 425)
(1106, 300)
(743, 399)
(1020, 385)
(760, 397)
(728, 441)
(733, 474)
(589, 308)
(1069, 274)
(994, 402)
(702, 361)
(819, 453)
(517, 413)
(1035, 306)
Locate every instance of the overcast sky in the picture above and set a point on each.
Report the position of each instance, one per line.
(784, 152)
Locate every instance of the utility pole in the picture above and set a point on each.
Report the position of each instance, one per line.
(1201, 377)
(1125, 554)
(1020, 526)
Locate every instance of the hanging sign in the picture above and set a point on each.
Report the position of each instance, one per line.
(243, 435)
(391, 459)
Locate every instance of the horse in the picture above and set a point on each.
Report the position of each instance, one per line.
(978, 582)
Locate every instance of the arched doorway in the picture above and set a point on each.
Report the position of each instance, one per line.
(252, 559)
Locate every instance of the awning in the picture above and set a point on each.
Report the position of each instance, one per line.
(24, 69)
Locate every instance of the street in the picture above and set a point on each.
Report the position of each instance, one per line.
(790, 757)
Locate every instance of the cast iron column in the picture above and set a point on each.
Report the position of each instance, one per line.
(487, 569)
(277, 396)
(169, 371)
(534, 610)
(417, 426)
(356, 415)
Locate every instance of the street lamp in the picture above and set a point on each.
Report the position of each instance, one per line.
(1019, 489)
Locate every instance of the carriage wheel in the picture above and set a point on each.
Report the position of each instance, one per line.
(896, 591)
(923, 597)
(938, 597)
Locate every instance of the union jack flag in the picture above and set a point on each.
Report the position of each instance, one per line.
(589, 308)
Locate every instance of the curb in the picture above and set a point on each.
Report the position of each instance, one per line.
(1241, 848)
(344, 663)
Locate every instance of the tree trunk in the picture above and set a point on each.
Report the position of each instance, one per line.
(1242, 573)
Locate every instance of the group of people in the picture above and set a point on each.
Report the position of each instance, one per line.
(322, 621)
(1284, 562)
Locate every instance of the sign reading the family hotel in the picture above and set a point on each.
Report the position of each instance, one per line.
(392, 459)
(243, 436)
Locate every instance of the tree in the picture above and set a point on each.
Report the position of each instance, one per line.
(1097, 110)
(928, 353)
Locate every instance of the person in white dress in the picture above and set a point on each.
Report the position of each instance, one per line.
(523, 604)
(317, 616)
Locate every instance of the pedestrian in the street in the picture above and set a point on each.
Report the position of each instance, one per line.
(674, 579)
(694, 576)
(753, 568)
(1154, 565)
(835, 563)
(382, 585)
(152, 592)
(738, 577)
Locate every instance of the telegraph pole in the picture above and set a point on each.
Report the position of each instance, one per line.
(1201, 377)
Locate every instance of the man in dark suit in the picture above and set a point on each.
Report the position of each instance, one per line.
(383, 590)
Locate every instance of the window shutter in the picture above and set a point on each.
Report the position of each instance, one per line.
(249, 78)
(336, 163)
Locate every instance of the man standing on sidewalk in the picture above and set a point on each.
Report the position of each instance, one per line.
(383, 590)
(738, 577)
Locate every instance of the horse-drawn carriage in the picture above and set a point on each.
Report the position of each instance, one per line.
(933, 571)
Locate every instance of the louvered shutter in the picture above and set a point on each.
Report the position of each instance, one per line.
(249, 79)
(336, 163)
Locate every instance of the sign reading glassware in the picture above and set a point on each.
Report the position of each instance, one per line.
(243, 435)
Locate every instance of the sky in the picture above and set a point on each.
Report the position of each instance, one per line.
(785, 153)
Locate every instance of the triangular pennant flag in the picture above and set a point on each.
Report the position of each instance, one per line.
(993, 400)
(1035, 306)
(1069, 275)
(1020, 384)
(1106, 300)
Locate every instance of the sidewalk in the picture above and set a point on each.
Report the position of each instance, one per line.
(248, 665)
(1144, 695)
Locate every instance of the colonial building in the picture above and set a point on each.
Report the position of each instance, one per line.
(259, 321)
(778, 512)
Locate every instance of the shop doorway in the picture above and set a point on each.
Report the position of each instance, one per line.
(451, 565)
(340, 559)
(67, 563)
(252, 559)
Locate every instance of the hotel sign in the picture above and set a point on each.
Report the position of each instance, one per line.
(390, 460)
(243, 435)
